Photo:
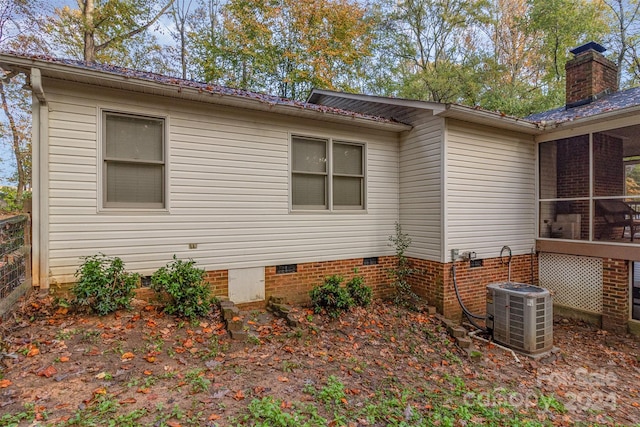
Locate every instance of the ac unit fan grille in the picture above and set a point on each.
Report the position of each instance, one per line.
(541, 323)
(516, 320)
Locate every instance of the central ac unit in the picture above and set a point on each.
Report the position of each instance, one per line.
(520, 316)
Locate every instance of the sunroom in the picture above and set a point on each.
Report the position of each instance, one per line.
(589, 187)
(589, 217)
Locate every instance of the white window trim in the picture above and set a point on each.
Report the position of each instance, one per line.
(100, 150)
(329, 174)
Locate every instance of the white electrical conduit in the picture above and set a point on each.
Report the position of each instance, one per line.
(513, 353)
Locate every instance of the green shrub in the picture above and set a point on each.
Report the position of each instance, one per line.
(331, 297)
(190, 295)
(103, 285)
(9, 200)
(403, 270)
(359, 292)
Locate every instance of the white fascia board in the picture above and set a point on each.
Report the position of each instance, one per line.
(490, 118)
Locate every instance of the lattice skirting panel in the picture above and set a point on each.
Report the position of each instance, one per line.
(575, 281)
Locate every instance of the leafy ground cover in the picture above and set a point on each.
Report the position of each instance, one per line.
(378, 366)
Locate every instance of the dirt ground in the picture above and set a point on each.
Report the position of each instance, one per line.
(381, 365)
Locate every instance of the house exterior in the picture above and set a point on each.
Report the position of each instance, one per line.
(269, 195)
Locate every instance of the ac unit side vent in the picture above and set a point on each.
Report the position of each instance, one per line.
(520, 316)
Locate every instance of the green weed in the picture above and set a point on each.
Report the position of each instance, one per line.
(333, 392)
(11, 420)
(288, 366)
(197, 381)
(269, 412)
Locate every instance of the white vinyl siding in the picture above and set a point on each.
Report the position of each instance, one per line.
(421, 186)
(490, 194)
(228, 176)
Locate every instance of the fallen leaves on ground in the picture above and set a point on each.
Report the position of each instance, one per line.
(62, 361)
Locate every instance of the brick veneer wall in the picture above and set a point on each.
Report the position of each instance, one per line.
(573, 177)
(589, 74)
(615, 294)
(295, 287)
(219, 282)
(608, 165)
(434, 282)
(573, 167)
(608, 178)
(428, 281)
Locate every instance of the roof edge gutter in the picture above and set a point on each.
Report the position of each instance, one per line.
(80, 74)
(485, 117)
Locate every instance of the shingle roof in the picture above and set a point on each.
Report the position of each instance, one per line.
(615, 101)
(200, 86)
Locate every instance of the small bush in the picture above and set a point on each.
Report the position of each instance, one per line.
(359, 292)
(103, 285)
(403, 270)
(9, 200)
(331, 297)
(190, 295)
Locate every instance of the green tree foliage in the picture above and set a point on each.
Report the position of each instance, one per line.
(437, 47)
(505, 55)
(284, 47)
(18, 123)
(109, 31)
(624, 38)
(18, 25)
(530, 41)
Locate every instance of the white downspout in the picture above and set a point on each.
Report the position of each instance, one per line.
(40, 177)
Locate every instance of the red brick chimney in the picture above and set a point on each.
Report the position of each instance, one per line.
(589, 75)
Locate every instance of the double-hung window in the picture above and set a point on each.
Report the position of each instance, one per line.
(327, 174)
(133, 161)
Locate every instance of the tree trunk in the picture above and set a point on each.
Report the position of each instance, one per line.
(15, 142)
(89, 32)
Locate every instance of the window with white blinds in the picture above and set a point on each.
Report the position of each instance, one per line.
(327, 174)
(133, 161)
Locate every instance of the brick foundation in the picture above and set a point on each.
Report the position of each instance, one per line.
(615, 295)
(219, 282)
(434, 282)
(295, 287)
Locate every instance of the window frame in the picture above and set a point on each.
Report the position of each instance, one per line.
(103, 160)
(329, 174)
